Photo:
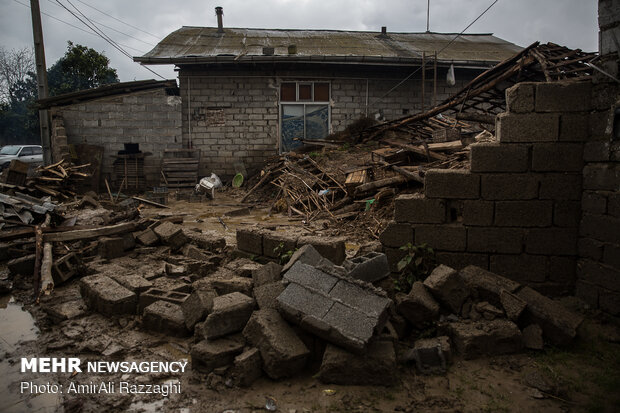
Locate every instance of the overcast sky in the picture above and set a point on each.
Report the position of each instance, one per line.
(571, 23)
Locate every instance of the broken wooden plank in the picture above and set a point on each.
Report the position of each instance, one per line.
(90, 233)
(146, 201)
(47, 282)
(416, 149)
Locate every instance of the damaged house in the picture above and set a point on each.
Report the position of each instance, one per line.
(249, 94)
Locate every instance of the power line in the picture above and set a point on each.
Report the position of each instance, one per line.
(101, 34)
(76, 27)
(444, 48)
(119, 20)
(111, 28)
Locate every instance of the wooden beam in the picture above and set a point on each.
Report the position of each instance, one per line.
(90, 233)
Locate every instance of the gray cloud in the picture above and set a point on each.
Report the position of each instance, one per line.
(571, 23)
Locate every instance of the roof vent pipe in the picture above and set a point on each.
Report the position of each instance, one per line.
(219, 11)
(384, 30)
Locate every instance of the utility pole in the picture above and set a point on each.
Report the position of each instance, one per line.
(39, 54)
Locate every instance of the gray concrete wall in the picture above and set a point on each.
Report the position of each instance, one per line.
(150, 118)
(234, 116)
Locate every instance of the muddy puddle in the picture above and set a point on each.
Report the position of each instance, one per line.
(17, 331)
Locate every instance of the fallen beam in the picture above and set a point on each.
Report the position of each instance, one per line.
(90, 233)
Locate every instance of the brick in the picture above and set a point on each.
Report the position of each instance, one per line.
(509, 186)
(266, 294)
(283, 353)
(247, 368)
(559, 324)
(171, 234)
(598, 274)
(473, 340)
(613, 205)
(147, 237)
(486, 285)
(459, 260)
(331, 248)
(563, 96)
(594, 202)
(250, 241)
(528, 127)
(604, 177)
(197, 306)
(208, 355)
(574, 127)
(600, 227)
(562, 270)
(478, 213)
(520, 98)
(523, 268)
(590, 248)
(106, 296)
(414, 208)
(442, 237)
(111, 247)
(431, 355)
(448, 287)
(495, 240)
(418, 306)
(268, 273)
(567, 214)
(394, 255)
(164, 317)
(376, 367)
(229, 315)
(551, 241)
(561, 186)
(557, 157)
(275, 245)
(495, 157)
(523, 213)
(596, 151)
(451, 183)
(396, 235)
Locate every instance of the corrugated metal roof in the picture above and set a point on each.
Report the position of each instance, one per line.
(205, 44)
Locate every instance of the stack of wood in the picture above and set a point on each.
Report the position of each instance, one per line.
(59, 179)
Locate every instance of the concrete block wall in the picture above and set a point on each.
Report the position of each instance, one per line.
(150, 118)
(517, 210)
(235, 116)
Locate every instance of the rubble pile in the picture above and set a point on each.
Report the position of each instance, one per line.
(246, 319)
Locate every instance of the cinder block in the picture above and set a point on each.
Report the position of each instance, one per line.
(495, 157)
(611, 255)
(560, 186)
(331, 248)
(527, 127)
(171, 234)
(495, 240)
(594, 202)
(574, 127)
(598, 274)
(590, 248)
(414, 208)
(604, 177)
(164, 317)
(588, 292)
(473, 340)
(509, 186)
(523, 213)
(601, 227)
(609, 301)
(447, 286)
(613, 205)
(442, 237)
(551, 241)
(563, 96)
(394, 255)
(111, 247)
(275, 245)
(478, 213)
(103, 294)
(250, 240)
(396, 235)
(451, 183)
(596, 151)
(520, 98)
(567, 214)
(562, 270)
(557, 157)
(522, 268)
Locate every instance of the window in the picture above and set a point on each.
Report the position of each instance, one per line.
(37, 150)
(26, 152)
(304, 112)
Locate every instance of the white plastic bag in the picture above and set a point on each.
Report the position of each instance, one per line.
(450, 78)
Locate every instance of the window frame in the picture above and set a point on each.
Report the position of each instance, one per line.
(304, 103)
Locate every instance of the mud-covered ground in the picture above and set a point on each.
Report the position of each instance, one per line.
(583, 377)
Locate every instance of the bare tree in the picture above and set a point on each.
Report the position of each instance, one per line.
(14, 66)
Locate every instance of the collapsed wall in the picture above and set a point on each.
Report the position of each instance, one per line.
(517, 210)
